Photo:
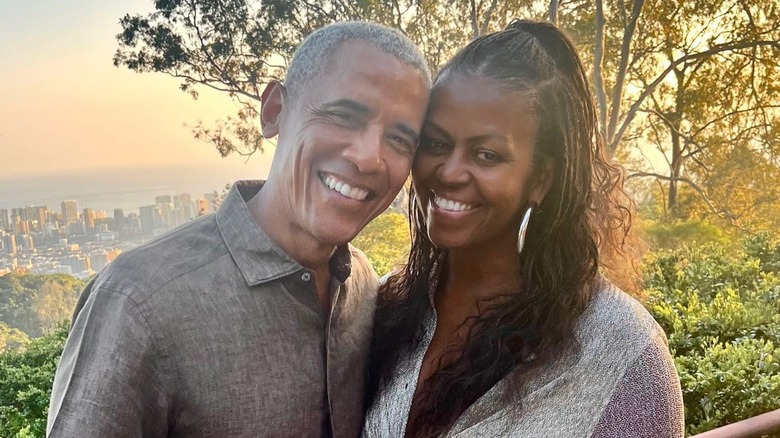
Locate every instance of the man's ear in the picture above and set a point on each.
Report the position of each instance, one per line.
(271, 103)
(542, 180)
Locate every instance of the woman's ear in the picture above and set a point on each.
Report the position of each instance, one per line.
(542, 180)
(271, 104)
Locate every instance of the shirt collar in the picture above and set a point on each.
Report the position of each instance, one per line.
(257, 256)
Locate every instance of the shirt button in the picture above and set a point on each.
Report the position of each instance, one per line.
(306, 276)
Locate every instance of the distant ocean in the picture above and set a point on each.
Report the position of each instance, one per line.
(127, 189)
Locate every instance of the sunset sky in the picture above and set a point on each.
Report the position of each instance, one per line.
(64, 106)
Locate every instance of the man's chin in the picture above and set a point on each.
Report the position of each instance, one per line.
(337, 236)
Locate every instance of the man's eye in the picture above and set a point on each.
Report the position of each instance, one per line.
(343, 117)
(401, 143)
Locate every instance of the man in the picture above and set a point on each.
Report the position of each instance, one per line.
(256, 321)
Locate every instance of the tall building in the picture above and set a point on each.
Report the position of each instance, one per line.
(89, 220)
(18, 221)
(213, 199)
(184, 203)
(163, 199)
(25, 242)
(9, 244)
(5, 222)
(70, 212)
(37, 216)
(98, 260)
(165, 205)
(118, 225)
(151, 220)
(202, 206)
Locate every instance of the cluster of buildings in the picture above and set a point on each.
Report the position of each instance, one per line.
(81, 242)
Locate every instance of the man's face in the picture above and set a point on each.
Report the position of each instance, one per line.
(346, 144)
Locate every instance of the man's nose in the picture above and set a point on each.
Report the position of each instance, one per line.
(366, 151)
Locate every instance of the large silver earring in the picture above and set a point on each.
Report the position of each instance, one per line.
(415, 215)
(523, 228)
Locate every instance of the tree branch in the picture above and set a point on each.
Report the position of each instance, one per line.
(720, 48)
(620, 78)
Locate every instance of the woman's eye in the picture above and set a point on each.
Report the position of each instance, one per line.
(433, 146)
(488, 156)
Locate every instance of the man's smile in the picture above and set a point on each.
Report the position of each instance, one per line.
(332, 182)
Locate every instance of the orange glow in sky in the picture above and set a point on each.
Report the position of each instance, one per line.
(64, 106)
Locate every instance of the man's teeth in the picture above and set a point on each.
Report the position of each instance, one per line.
(345, 189)
(446, 204)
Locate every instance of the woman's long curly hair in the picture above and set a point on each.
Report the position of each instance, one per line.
(581, 225)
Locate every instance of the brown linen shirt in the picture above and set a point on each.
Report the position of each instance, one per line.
(213, 331)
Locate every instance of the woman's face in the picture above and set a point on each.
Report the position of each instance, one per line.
(473, 172)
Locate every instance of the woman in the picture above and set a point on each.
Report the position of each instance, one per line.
(500, 324)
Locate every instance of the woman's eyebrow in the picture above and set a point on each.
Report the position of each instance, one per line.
(431, 126)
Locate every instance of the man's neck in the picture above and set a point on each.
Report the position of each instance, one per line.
(298, 244)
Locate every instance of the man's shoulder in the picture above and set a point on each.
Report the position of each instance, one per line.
(143, 270)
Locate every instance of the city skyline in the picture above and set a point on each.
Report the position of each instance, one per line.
(65, 107)
(69, 239)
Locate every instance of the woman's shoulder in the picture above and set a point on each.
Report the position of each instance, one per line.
(617, 321)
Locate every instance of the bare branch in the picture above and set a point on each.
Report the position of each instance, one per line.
(552, 12)
(720, 48)
(722, 213)
(598, 65)
(487, 17)
(620, 79)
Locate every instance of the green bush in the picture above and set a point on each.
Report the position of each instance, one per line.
(26, 378)
(721, 313)
(666, 235)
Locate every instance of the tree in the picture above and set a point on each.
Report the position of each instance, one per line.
(53, 304)
(236, 46)
(719, 93)
(26, 379)
(385, 241)
(655, 67)
(12, 339)
(35, 304)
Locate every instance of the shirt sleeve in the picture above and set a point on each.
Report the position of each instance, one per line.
(648, 401)
(110, 380)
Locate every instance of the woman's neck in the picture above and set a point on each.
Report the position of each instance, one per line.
(480, 274)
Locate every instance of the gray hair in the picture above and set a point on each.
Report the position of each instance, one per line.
(311, 57)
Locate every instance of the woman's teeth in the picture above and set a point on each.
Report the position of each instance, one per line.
(446, 204)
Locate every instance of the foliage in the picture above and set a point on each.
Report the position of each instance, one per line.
(12, 339)
(719, 305)
(720, 309)
(385, 241)
(695, 81)
(26, 379)
(669, 235)
(36, 304)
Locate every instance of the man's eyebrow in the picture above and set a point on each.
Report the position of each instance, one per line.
(408, 130)
(349, 104)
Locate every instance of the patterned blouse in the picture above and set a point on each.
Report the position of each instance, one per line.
(620, 383)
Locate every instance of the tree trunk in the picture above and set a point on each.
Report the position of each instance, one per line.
(552, 13)
(598, 74)
(675, 122)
